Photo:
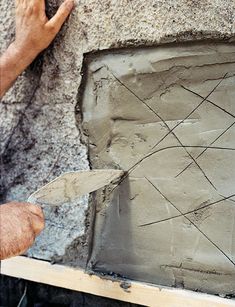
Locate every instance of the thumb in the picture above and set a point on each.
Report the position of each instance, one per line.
(59, 18)
(37, 220)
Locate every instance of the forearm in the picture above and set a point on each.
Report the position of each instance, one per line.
(12, 63)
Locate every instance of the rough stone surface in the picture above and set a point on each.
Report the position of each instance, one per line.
(39, 135)
(63, 195)
(144, 113)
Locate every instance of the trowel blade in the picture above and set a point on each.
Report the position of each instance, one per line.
(68, 187)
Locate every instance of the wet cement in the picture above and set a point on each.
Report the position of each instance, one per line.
(167, 116)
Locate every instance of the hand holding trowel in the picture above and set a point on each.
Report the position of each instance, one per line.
(24, 221)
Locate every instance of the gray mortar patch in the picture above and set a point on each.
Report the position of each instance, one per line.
(165, 115)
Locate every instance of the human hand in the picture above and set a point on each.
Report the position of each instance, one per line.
(34, 32)
(20, 223)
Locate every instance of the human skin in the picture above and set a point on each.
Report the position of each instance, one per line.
(20, 223)
(34, 33)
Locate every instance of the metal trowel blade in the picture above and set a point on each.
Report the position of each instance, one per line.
(68, 187)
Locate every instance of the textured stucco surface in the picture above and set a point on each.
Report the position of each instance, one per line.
(144, 113)
(39, 135)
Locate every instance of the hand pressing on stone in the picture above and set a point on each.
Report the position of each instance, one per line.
(20, 223)
(34, 33)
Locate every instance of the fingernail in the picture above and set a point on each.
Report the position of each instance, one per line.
(69, 4)
(76, 2)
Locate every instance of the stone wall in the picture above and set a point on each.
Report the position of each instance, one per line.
(39, 116)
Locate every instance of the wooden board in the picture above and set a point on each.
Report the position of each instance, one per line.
(130, 291)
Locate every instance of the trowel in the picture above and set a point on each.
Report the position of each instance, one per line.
(67, 188)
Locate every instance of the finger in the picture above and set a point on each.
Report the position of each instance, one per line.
(63, 12)
(19, 2)
(41, 4)
(35, 209)
(34, 5)
(28, 244)
(37, 223)
(23, 245)
(34, 212)
(16, 245)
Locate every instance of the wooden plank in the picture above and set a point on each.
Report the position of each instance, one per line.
(78, 280)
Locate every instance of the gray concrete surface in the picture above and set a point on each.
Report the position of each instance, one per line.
(171, 221)
(39, 117)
